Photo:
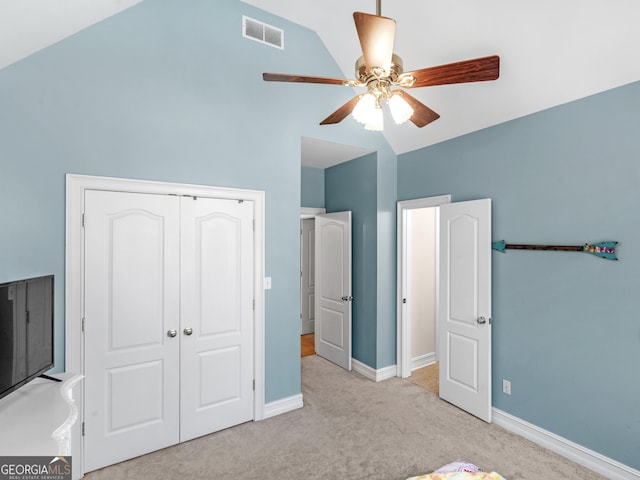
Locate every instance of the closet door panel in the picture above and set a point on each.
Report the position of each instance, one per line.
(217, 315)
(131, 302)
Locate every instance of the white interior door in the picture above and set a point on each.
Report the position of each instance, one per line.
(132, 275)
(216, 315)
(307, 275)
(464, 306)
(333, 288)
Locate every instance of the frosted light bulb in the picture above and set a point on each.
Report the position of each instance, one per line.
(401, 111)
(375, 122)
(363, 110)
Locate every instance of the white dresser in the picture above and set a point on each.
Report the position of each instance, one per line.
(41, 418)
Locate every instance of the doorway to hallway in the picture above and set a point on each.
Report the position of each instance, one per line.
(462, 267)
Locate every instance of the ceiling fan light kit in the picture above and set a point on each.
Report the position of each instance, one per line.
(368, 109)
(380, 71)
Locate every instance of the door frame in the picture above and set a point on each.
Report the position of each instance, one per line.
(306, 213)
(76, 185)
(403, 325)
(309, 212)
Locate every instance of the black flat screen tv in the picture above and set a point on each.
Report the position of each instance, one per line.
(26, 331)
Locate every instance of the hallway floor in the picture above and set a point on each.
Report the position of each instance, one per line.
(307, 345)
(427, 378)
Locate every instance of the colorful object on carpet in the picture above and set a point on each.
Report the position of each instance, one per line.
(459, 470)
(460, 476)
(603, 249)
(459, 466)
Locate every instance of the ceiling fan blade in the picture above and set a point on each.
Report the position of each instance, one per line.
(377, 35)
(342, 113)
(283, 77)
(422, 115)
(476, 70)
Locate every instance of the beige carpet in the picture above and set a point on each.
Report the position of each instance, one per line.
(351, 428)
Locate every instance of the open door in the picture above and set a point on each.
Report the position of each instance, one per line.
(333, 288)
(464, 306)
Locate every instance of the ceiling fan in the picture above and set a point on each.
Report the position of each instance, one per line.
(381, 72)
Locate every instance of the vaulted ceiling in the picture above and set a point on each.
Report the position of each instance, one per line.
(552, 52)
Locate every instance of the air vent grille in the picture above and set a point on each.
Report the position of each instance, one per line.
(262, 32)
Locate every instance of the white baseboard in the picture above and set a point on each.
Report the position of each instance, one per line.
(283, 405)
(372, 373)
(583, 456)
(423, 360)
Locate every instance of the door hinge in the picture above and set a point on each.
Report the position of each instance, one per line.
(254, 303)
(83, 324)
(83, 429)
(254, 385)
(83, 219)
(300, 315)
(254, 223)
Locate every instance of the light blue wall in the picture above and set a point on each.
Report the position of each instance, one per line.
(566, 330)
(312, 190)
(386, 258)
(167, 90)
(353, 186)
(368, 185)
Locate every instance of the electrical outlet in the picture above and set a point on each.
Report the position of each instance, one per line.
(506, 387)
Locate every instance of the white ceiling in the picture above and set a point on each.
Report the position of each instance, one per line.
(27, 26)
(322, 154)
(552, 51)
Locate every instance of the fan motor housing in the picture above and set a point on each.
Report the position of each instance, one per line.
(394, 72)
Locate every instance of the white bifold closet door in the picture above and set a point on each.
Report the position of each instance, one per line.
(168, 331)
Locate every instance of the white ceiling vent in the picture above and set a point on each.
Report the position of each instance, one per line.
(262, 32)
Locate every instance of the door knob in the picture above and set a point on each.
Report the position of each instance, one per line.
(482, 321)
(188, 331)
(172, 333)
(347, 298)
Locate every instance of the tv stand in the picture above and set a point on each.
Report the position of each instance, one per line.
(47, 377)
